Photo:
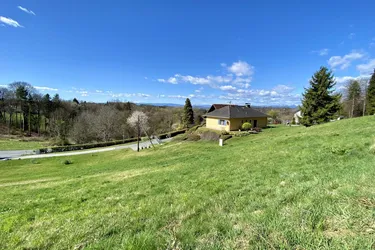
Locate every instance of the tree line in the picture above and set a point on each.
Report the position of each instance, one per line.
(321, 103)
(24, 110)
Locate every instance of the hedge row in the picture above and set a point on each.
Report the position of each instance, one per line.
(84, 146)
(171, 134)
(101, 144)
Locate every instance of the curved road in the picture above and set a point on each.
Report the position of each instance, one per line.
(30, 154)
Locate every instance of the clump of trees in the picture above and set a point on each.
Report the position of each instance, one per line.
(26, 112)
(320, 104)
(370, 95)
(359, 97)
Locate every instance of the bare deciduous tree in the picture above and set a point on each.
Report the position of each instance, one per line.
(139, 121)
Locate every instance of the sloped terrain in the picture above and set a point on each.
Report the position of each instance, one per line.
(287, 187)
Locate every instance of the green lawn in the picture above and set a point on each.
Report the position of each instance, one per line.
(19, 144)
(285, 188)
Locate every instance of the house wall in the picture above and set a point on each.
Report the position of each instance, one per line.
(234, 124)
(213, 123)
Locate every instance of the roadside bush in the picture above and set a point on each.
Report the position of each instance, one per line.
(246, 126)
(84, 146)
(193, 137)
(181, 137)
(193, 129)
(210, 136)
(101, 144)
(171, 134)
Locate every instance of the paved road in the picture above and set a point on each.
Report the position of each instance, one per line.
(14, 153)
(29, 154)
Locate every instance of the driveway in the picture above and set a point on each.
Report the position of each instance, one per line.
(30, 154)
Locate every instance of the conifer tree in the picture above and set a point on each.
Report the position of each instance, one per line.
(319, 103)
(353, 95)
(188, 118)
(371, 95)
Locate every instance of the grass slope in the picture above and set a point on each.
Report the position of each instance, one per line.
(288, 187)
(19, 144)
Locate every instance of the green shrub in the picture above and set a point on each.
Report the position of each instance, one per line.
(171, 134)
(246, 126)
(294, 121)
(193, 137)
(35, 161)
(241, 134)
(224, 132)
(67, 162)
(193, 129)
(210, 136)
(181, 137)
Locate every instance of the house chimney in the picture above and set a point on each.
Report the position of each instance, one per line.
(247, 105)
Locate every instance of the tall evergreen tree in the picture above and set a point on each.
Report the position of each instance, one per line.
(353, 96)
(371, 96)
(319, 103)
(188, 117)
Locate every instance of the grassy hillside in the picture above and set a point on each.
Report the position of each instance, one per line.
(20, 144)
(288, 187)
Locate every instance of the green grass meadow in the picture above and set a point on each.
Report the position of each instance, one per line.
(285, 188)
(19, 144)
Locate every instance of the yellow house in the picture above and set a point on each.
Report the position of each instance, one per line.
(231, 117)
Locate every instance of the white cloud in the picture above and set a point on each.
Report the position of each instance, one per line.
(83, 93)
(342, 81)
(45, 88)
(146, 78)
(98, 91)
(366, 68)
(241, 68)
(280, 95)
(177, 96)
(238, 74)
(199, 90)
(10, 22)
(172, 80)
(344, 61)
(351, 35)
(26, 10)
(227, 88)
(322, 52)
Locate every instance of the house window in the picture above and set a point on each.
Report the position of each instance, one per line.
(222, 122)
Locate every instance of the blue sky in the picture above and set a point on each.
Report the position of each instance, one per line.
(263, 52)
